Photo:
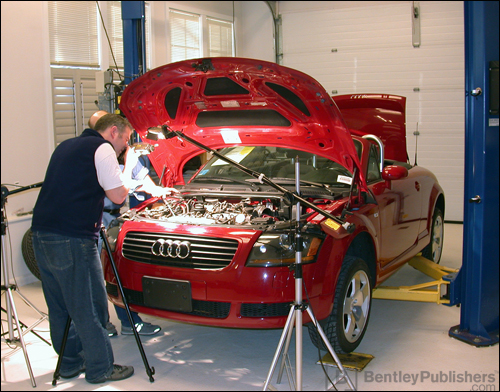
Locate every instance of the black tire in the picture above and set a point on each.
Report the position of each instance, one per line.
(434, 250)
(29, 254)
(346, 325)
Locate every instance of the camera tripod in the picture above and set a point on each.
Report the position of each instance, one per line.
(9, 289)
(295, 317)
(149, 371)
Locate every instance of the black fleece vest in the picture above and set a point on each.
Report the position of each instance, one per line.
(71, 200)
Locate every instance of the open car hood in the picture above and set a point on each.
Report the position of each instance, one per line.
(227, 101)
(382, 115)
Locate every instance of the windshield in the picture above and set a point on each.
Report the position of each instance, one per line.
(276, 163)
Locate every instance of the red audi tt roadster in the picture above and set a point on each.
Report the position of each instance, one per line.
(221, 251)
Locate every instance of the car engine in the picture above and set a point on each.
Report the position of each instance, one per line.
(213, 211)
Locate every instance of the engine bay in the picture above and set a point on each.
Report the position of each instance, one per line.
(210, 210)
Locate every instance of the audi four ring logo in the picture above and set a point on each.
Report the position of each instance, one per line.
(168, 248)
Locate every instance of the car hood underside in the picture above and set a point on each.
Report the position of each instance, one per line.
(224, 102)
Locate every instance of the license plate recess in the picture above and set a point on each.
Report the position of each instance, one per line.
(167, 294)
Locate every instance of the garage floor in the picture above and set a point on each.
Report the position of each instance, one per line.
(409, 341)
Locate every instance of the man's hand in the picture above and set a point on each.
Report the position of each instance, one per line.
(156, 191)
(131, 159)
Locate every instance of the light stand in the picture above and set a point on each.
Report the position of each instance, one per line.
(295, 316)
(9, 289)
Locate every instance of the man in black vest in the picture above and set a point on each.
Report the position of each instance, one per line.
(112, 211)
(66, 223)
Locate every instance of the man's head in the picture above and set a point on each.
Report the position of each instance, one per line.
(115, 129)
(96, 116)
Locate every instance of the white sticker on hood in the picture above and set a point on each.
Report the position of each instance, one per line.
(230, 104)
(230, 137)
(344, 180)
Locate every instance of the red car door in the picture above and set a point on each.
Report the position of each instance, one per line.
(400, 210)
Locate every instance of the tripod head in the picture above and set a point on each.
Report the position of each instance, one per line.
(6, 193)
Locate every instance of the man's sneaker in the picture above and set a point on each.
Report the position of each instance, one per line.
(119, 373)
(142, 328)
(111, 329)
(74, 373)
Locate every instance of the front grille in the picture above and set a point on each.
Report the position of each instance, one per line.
(206, 252)
(201, 308)
(266, 310)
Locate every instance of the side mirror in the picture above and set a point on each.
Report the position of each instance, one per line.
(393, 172)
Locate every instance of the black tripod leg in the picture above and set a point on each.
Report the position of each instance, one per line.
(61, 353)
(149, 371)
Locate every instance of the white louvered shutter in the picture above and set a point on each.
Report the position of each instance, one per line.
(73, 99)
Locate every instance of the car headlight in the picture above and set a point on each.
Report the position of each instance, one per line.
(112, 232)
(278, 250)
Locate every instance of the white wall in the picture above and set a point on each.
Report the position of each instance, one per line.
(27, 140)
(26, 118)
(254, 30)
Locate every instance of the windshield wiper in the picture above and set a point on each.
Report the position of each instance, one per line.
(318, 184)
(278, 179)
(216, 179)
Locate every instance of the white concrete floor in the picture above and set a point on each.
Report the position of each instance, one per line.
(409, 341)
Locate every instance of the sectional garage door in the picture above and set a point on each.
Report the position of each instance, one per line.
(367, 47)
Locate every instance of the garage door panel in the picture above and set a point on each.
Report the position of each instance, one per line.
(352, 49)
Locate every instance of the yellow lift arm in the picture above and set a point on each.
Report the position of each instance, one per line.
(435, 291)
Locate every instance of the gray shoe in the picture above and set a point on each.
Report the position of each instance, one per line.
(119, 373)
(142, 328)
(111, 329)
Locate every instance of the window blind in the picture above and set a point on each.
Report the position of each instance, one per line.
(114, 28)
(73, 33)
(185, 35)
(220, 38)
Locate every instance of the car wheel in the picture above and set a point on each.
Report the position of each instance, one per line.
(346, 325)
(434, 250)
(29, 254)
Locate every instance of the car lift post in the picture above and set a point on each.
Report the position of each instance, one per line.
(134, 41)
(479, 275)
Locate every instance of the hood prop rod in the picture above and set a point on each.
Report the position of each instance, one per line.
(169, 133)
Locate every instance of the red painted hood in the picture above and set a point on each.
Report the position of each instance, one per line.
(223, 102)
(382, 115)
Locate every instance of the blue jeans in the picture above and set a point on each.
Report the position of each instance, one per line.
(73, 285)
(122, 316)
(120, 312)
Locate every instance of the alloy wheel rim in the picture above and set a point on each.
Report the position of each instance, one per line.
(356, 306)
(437, 239)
